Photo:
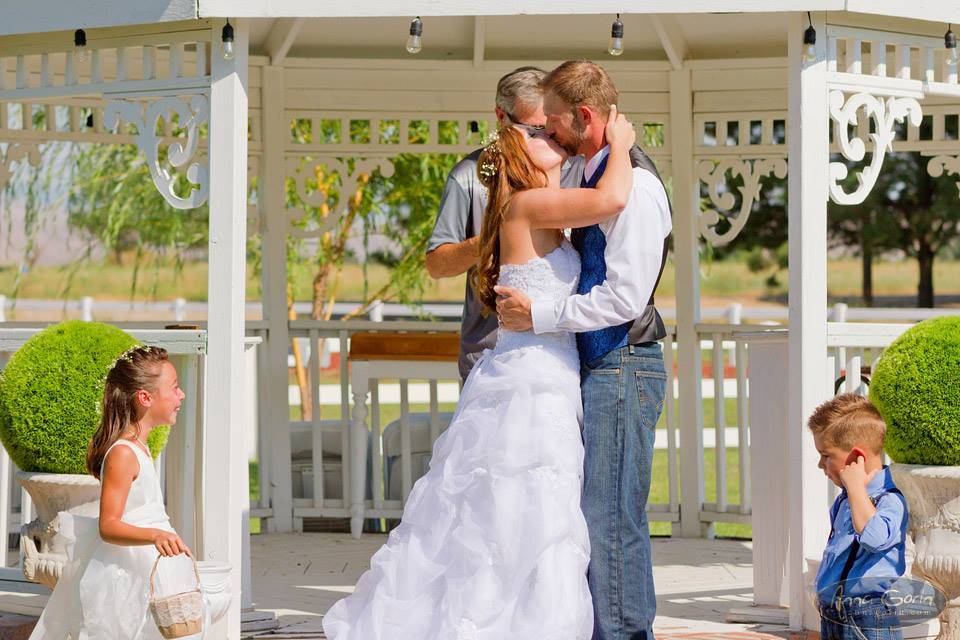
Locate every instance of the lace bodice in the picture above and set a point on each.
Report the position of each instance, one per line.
(553, 277)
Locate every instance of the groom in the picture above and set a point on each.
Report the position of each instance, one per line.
(623, 380)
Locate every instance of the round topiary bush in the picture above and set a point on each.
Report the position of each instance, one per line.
(916, 387)
(50, 394)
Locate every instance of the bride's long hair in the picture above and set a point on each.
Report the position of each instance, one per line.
(504, 168)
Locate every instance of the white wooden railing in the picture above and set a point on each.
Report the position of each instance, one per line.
(180, 309)
(326, 488)
(329, 481)
(328, 461)
(377, 490)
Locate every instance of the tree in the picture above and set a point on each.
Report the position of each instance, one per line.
(113, 203)
(33, 177)
(907, 210)
(924, 213)
(858, 227)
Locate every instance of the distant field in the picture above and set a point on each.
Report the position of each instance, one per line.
(723, 280)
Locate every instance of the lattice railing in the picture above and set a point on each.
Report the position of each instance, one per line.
(140, 60)
(861, 55)
(740, 133)
(388, 133)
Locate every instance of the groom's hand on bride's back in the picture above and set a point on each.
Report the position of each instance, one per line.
(513, 309)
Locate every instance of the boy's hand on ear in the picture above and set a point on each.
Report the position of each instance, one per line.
(854, 474)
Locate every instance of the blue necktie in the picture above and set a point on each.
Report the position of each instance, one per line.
(591, 243)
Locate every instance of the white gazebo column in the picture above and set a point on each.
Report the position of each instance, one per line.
(225, 481)
(686, 211)
(808, 121)
(276, 132)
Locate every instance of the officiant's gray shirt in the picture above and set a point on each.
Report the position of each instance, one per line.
(460, 218)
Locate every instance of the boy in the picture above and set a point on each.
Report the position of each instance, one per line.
(865, 551)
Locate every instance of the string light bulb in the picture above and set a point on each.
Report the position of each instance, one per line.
(809, 42)
(950, 42)
(616, 38)
(226, 46)
(80, 50)
(415, 40)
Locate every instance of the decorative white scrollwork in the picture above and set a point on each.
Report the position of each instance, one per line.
(191, 115)
(940, 165)
(884, 114)
(714, 175)
(15, 152)
(348, 182)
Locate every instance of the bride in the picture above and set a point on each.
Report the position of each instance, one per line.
(492, 544)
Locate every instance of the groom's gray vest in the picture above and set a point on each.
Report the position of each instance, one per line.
(591, 244)
(649, 326)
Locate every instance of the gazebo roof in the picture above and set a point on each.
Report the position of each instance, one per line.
(507, 18)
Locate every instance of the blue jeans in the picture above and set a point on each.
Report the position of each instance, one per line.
(622, 399)
(876, 622)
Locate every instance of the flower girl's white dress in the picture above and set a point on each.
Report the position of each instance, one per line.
(493, 544)
(103, 591)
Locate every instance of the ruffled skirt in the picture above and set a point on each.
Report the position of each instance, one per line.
(492, 544)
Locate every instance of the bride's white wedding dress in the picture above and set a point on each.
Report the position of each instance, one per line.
(492, 544)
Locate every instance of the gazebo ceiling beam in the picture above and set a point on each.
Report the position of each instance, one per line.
(479, 39)
(672, 39)
(281, 37)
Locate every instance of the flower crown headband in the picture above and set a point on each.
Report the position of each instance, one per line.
(127, 356)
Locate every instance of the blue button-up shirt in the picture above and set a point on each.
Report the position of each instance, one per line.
(882, 540)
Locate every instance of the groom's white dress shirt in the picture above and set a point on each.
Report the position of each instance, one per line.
(633, 255)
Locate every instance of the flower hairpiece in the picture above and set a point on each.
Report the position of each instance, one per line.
(492, 147)
(126, 356)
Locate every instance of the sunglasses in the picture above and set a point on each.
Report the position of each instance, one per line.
(532, 130)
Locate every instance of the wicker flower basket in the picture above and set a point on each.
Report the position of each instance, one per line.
(178, 615)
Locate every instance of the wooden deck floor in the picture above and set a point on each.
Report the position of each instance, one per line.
(299, 576)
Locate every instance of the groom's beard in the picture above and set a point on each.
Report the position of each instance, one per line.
(572, 139)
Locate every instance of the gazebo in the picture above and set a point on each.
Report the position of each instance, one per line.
(733, 90)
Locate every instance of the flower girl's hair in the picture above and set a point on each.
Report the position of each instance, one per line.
(504, 167)
(136, 369)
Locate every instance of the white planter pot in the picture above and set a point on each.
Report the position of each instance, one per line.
(215, 580)
(41, 546)
(933, 497)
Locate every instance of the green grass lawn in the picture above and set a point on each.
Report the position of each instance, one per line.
(726, 279)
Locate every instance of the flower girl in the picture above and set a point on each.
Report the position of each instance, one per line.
(103, 591)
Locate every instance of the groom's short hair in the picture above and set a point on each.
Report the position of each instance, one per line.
(520, 87)
(582, 82)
